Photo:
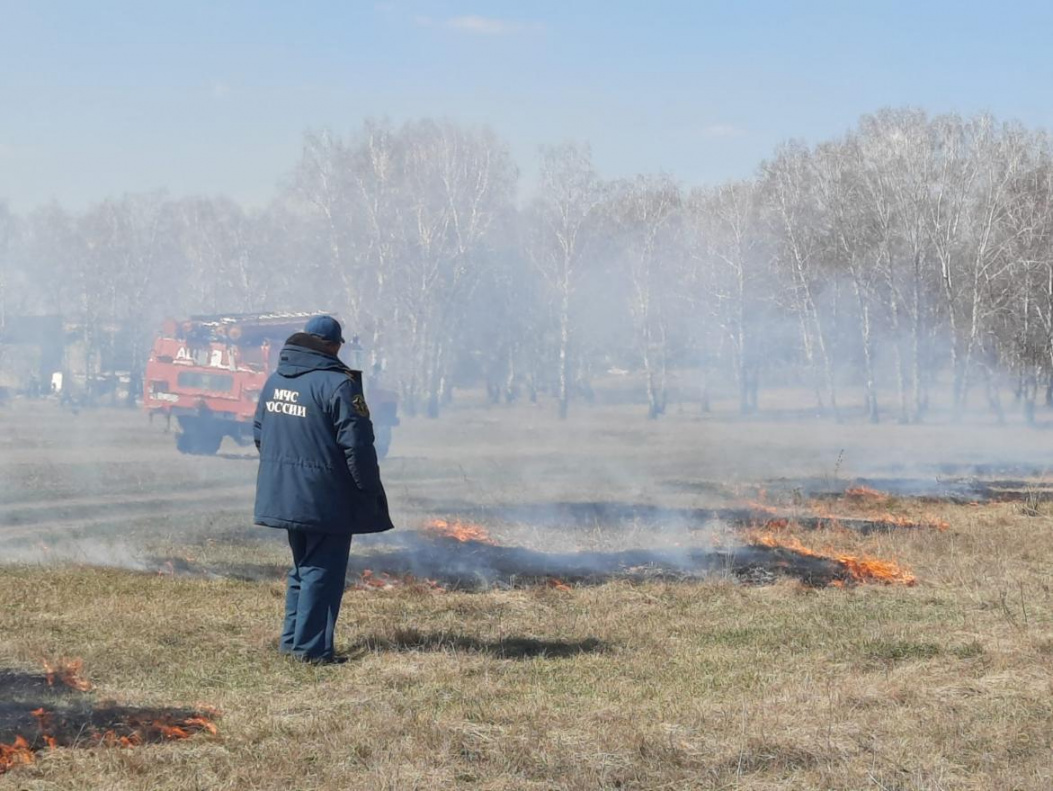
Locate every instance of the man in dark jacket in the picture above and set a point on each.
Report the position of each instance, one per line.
(318, 479)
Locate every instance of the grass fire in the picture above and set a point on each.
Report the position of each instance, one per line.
(549, 396)
(540, 618)
(48, 711)
(458, 530)
(857, 568)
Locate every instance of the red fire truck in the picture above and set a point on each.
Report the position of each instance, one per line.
(208, 372)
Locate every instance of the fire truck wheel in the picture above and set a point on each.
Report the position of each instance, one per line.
(198, 442)
(382, 440)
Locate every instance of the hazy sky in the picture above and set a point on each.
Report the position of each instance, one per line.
(101, 97)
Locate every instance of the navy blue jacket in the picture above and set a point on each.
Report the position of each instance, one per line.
(318, 468)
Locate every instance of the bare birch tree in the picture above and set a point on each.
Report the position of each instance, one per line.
(566, 214)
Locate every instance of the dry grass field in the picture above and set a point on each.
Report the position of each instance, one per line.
(610, 636)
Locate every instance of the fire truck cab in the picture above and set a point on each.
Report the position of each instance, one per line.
(208, 373)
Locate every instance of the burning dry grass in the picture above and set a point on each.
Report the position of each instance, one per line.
(18, 753)
(859, 508)
(788, 556)
(624, 685)
(865, 494)
(368, 580)
(642, 683)
(67, 672)
(857, 568)
(46, 712)
(456, 554)
(470, 559)
(458, 531)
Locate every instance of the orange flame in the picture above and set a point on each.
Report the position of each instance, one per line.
(864, 493)
(111, 739)
(558, 584)
(459, 531)
(859, 568)
(44, 721)
(139, 730)
(888, 520)
(15, 754)
(68, 673)
(173, 731)
(202, 724)
(865, 496)
(165, 728)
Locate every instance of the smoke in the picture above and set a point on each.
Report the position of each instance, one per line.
(602, 373)
(825, 273)
(74, 550)
(607, 494)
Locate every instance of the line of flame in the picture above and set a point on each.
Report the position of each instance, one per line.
(860, 567)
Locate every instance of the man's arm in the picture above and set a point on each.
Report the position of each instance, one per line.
(354, 435)
(257, 422)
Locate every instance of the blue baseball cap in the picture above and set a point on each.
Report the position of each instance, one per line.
(325, 327)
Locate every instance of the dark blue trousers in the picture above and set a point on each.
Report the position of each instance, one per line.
(312, 595)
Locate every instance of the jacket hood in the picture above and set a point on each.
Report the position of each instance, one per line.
(304, 353)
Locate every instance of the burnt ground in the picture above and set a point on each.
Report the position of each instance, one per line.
(473, 565)
(656, 667)
(588, 499)
(55, 715)
(930, 490)
(583, 516)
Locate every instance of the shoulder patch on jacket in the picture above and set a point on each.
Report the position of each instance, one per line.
(359, 405)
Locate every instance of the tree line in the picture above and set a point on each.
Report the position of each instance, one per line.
(909, 252)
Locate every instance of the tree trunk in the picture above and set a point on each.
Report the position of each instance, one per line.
(744, 356)
(897, 350)
(704, 400)
(437, 380)
(663, 370)
(915, 344)
(824, 357)
(869, 392)
(1030, 397)
(653, 408)
(511, 389)
(564, 358)
(809, 357)
(655, 372)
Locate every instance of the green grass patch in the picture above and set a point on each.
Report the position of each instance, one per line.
(892, 651)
